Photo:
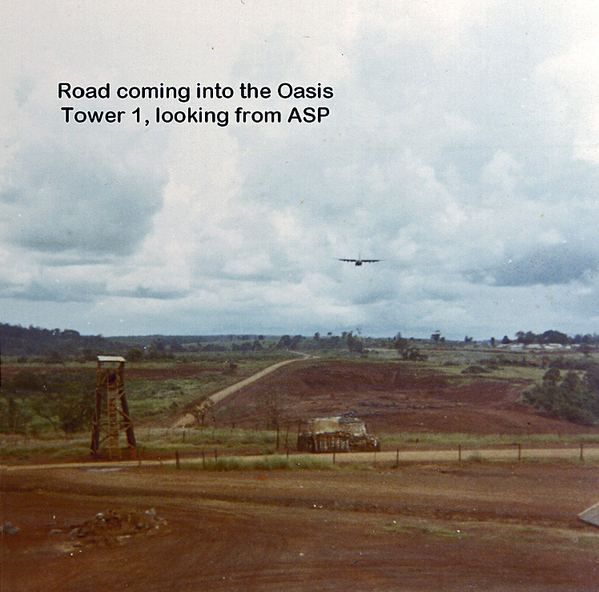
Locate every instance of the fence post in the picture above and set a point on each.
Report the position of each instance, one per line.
(397, 458)
(459, 453)
(215, 454)
(177, 459)
(519, 452)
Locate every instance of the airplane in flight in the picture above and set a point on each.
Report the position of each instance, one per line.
(357, 262)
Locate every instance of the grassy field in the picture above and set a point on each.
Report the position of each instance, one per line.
(160, 390)
(156, 390)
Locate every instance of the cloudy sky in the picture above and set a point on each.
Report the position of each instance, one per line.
(461, 148)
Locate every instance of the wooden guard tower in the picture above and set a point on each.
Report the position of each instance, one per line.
(111, 415)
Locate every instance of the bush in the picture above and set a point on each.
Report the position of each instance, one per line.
(573, 398)
(64, 400)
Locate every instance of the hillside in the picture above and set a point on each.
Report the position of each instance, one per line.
(390, 397)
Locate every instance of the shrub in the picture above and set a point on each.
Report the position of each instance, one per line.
(572, 398)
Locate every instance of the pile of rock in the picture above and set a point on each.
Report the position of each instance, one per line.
(116, 526)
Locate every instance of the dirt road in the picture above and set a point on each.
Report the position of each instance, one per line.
(422, 527)
(189, 419)
(385, 458)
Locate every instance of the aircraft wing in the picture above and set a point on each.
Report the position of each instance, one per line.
(349, 260)
(370, 260)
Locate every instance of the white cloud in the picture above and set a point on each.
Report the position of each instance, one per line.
(460, 150)
(573, 81)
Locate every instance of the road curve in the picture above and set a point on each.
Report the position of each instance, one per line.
(189, 419)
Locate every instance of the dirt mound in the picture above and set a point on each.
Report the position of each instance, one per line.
(112, 526)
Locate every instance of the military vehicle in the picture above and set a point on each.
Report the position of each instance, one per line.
(341, 433)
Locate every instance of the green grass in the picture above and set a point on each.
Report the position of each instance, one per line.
(24, 447)
(159, 400)
(475, 457)
(230, 439)
(424, 440)
(266, 463)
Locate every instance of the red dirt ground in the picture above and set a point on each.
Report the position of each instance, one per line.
(421, 527)
(432, 526)
(390, 397)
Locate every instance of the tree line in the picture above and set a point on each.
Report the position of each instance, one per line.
(34, 341)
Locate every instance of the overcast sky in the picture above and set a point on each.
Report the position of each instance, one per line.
(461, 148)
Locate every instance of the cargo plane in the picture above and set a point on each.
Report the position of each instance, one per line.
(357, 262)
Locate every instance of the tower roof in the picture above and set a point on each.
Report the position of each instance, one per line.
(111, 359)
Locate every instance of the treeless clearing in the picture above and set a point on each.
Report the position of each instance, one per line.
(390, 397)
